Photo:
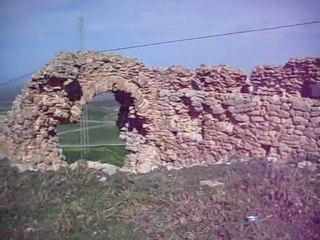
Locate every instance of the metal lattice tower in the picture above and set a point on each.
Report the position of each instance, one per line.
(84, 131)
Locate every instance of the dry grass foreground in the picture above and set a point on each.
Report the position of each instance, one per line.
(162, 204)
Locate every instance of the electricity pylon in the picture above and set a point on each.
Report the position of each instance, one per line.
(84, 130)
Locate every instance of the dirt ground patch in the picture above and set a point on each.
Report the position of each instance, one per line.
(162, 204)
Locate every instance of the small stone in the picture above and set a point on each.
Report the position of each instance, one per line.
(299, 120)
(222, 117)
(315, 120)
(300, 105)
(275, 119)
(298, 132)
(241, 118)
(309, 165)
(196, 104)
(163, 93)
(247, 146)
(275, 108)
(211, 183)
(23, 167)
(30, 230)
(272, 159)
(190, 93)
(81, 163)
(199, 109)
(257, 113)
(169, 112)
(230, 102)
(231, 109)
(217, 110)
(257, 119)
(105, 167)
(284, 114)
(2, 157)
(285, 107)
(272, 134)
(315, 114)
(75, 111)
(102, 179)
(306, 115)
(225, 127)
(174, 98)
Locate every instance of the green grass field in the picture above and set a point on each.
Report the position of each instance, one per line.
(98, 113)
(73, 126)
(106, 154)
(162, 204)
(107, 134)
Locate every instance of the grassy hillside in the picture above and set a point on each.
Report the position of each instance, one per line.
(162, 204)
(105, 154)
(108, 134)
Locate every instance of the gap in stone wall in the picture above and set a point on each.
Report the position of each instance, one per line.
(310, 90)
(106, 116)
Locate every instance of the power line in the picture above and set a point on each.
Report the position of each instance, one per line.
(16, 79)
(189, 39)
(211, 36)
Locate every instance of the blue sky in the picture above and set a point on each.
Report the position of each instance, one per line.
(32, 31)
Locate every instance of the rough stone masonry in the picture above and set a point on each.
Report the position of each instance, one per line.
(175, 116)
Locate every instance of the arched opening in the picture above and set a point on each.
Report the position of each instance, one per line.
(310, 90)
(248, 88)
(267, 148)
(55, 96)
(107, 125)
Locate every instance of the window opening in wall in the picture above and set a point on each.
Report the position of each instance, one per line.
(310, 90)
(174, 132)
(191, 111)
(104, 143)
(248, 88)
(267, 148)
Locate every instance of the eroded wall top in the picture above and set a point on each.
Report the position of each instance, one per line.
(287, 78)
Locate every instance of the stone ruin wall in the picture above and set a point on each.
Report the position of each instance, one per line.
(174, 116)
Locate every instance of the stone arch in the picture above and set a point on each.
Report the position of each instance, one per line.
(57, 94)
